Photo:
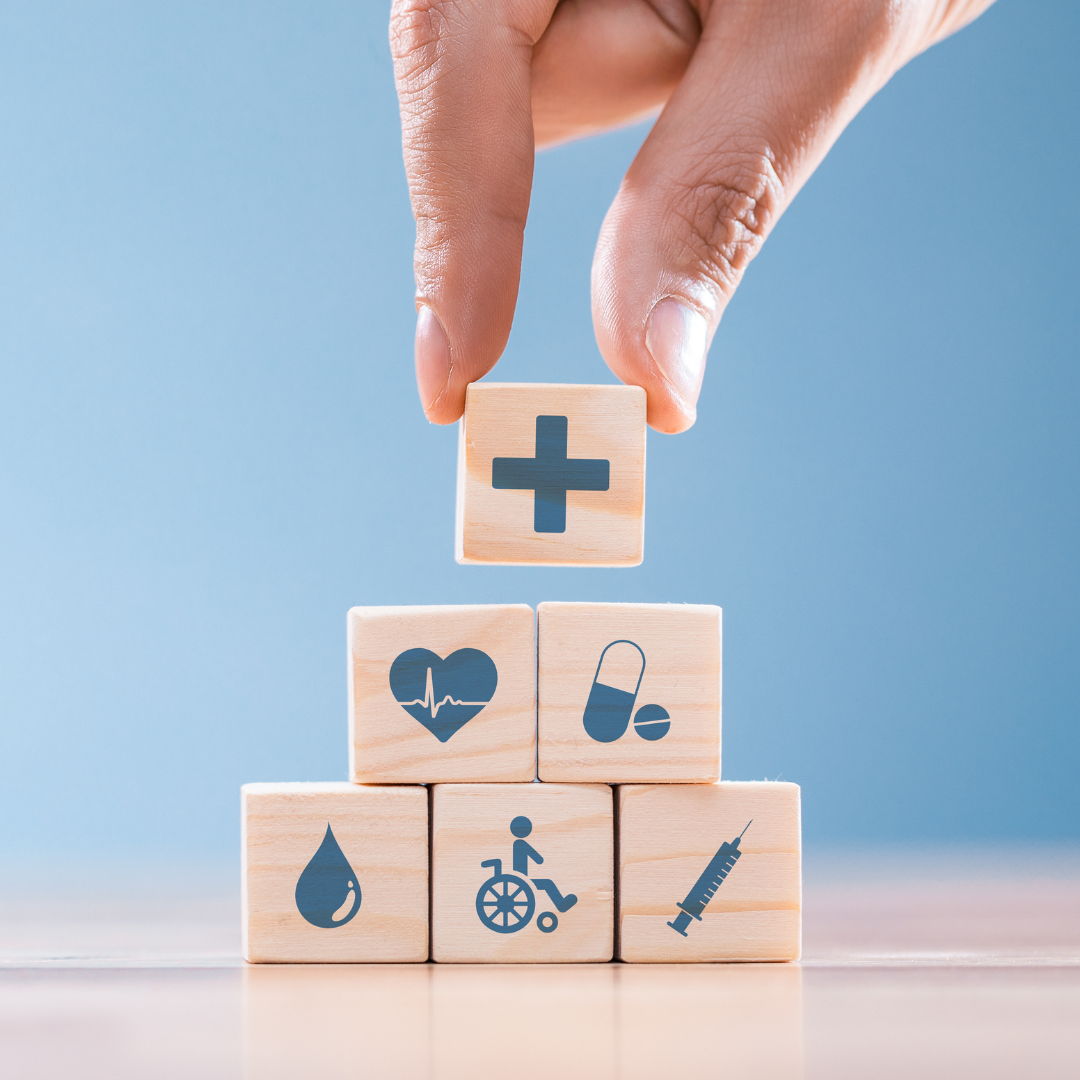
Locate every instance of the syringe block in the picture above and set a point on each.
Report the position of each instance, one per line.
(669, 834)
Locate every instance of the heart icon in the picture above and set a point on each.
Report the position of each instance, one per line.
(444, 695)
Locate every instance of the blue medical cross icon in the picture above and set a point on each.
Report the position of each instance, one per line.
(551, 474)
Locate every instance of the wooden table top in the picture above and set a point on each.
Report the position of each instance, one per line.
(955, 963)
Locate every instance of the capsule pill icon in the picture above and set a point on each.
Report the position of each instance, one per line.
(614, 691)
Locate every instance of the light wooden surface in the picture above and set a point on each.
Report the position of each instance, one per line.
(941, 964)
(681, 644)
(382, 833)
(603, 528)
(667, 836)
(388, 745)
(588, 1021)
(572, 830)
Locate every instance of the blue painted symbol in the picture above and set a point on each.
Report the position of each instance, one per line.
(328, 891)
(505, 903)
(705, 887)
(652, 722)
(613, 693)
(444, 695)
(551, 474)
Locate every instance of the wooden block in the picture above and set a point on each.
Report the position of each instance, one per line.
(442, 694)
(629, 692)
(551, 475)
(676, 844)
(522, 873)
(334, 873)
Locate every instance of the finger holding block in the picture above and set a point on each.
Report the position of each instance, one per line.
(709, 872)
(442, 694)
(334, 873)
(551, 475)
(522, 873)
(629, 692)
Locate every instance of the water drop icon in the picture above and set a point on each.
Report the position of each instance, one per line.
(328, 891)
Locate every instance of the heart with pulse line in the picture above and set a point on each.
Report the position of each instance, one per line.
(444, 695)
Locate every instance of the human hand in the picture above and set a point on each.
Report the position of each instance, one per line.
(753, 93)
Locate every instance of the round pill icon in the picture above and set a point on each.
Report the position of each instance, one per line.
(614, 691)
(652, 722)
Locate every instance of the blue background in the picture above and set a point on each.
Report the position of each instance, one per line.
(210, 445)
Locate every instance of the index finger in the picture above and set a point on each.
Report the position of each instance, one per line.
(463, 78)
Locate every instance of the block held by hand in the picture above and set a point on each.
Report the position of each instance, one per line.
(551, 475)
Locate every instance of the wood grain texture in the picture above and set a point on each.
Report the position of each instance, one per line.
(573, 831)
(682, 673)
(667, 836)
(383, 833)
(388, 745)
(603, 528)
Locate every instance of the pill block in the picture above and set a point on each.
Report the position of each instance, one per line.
(334, 873)
(709, 872)
(442, 694)
(629, 692)
(522, 873)
(551, 475)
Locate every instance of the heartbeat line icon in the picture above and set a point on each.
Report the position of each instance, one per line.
(467, 677)
(428, 701)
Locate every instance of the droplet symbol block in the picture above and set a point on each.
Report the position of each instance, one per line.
(328, 891)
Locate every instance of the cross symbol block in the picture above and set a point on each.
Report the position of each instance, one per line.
(551, 474)
(516, 464)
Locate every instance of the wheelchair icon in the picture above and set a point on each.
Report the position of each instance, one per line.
(506, 903)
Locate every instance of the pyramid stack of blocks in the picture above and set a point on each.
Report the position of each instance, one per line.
(530, 787)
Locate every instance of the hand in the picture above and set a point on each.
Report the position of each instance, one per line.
(753, 93)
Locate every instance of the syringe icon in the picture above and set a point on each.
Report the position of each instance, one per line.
(705, 887)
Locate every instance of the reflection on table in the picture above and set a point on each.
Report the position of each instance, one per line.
(447, 1021)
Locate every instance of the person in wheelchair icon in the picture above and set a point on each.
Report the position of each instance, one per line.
(506, 902)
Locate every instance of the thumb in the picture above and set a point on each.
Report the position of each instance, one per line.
(768, 91)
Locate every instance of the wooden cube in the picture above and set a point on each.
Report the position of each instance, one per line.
(629, 692)
(442, 694)
(551, 475)
(334, 873)
(709, 872)
(522, 873)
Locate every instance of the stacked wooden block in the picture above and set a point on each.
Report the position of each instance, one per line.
(530, 788)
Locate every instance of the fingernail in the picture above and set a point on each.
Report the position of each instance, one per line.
(432, 356)
(677, 338)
